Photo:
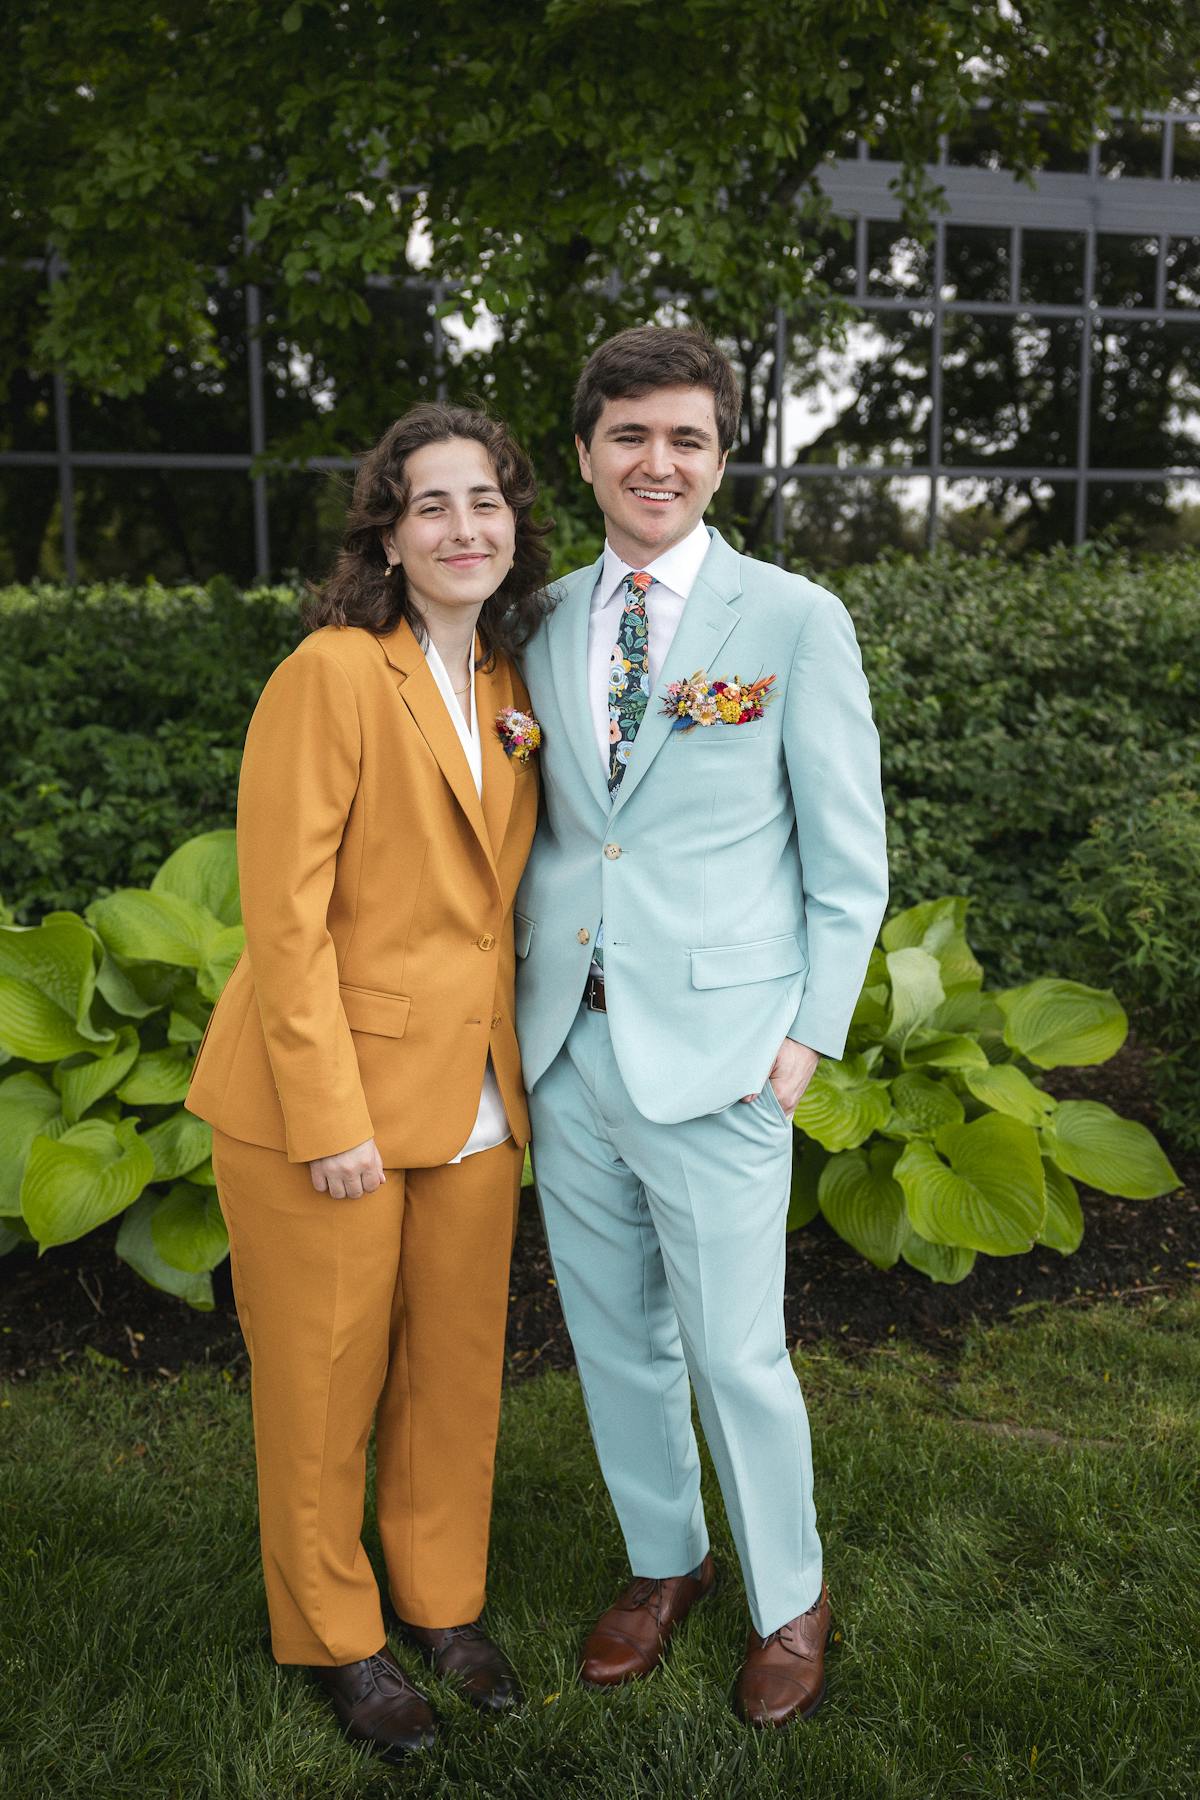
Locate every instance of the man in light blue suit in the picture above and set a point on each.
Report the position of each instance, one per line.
(693, 930)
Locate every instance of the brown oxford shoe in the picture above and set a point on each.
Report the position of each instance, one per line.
(630, 1638)
(783, 1676)
(467, 1654)
(377, 1704)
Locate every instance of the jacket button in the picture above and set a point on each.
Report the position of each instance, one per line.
(495, 1020)
(583, 934)
(487, 941)
(612, 851)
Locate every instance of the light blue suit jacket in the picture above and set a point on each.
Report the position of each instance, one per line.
(741, 873)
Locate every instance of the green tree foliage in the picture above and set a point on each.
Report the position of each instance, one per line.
(571, 165)
(1011, 386)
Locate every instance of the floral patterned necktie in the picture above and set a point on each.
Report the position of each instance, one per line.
(628, 678)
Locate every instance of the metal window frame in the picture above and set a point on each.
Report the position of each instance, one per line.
(860, 188)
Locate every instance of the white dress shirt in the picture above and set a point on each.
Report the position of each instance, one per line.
(674, 573)
(491, 1121)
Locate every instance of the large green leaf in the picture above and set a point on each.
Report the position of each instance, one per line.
(864, 1204)
(183, 1029)
(1007, 1090)
(1116, 1155)
(33, 1027)
(970, 1012)
(1062, 1228)
(991, 1197)
(188, 1230)
(178, 1145)
(135, 1245)
(939, 927)
(922, 1106)
(139, 926)
(842, 1104)
(124, 991)
(1056, 1022)
(47, 979)
(13, 1232)
(89, 1174)
(223, 953)
(808, 1159)
(941, 1262)
(27, 1106)
(58, 958)
(81, 1083)
(204, 872)
(159, 1078)
(917, 992)
(944, 1050)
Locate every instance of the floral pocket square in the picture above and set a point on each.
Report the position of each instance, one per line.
(699, 701)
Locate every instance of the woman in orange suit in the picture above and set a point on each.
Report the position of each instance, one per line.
(361, 1071)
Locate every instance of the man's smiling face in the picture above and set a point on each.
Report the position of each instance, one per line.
(655, 463)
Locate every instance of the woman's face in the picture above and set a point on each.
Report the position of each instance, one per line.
(457, 535)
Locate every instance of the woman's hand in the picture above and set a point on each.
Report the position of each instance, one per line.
(350, 1174)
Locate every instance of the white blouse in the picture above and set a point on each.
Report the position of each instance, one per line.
(491, 1121)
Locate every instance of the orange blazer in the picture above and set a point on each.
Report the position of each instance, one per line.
(377, 893)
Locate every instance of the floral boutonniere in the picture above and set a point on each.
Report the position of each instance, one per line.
(519, 732)
(699, 701)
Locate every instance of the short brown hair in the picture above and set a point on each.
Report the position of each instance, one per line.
(359, 591)
(653, 356)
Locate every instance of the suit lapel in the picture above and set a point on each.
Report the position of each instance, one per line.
(567, 642)
(499, 776)
(708, 618)
(420, 693)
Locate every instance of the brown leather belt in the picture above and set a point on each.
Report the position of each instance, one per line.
(593, 993)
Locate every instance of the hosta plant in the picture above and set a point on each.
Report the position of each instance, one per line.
(100, 1017)
(933, 1140)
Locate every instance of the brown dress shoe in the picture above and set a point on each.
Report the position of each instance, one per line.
(465, 1652)
(630, 1638)
(377, 1704)
(783, 1676)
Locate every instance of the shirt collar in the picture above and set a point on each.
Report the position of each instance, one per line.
(677, 568)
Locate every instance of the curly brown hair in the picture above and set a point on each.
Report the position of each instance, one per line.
(358, 590)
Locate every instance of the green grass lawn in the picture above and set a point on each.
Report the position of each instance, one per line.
(1013, 1558)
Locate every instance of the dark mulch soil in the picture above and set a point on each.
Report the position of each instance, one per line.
(80, 1301)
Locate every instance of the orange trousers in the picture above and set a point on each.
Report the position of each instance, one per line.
(387, 1309)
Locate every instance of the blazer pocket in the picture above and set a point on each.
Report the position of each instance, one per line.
(722, 735)
(736, 965)
(383, 1015)
(523, 930)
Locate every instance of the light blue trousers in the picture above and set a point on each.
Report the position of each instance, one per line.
(668, 1249)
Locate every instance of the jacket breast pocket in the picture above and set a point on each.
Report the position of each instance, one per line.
(722, 737)
(523, 930)
(382, 1015)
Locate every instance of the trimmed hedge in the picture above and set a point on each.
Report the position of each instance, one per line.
(1016, 701)
(125, 710)
(1135, 888)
